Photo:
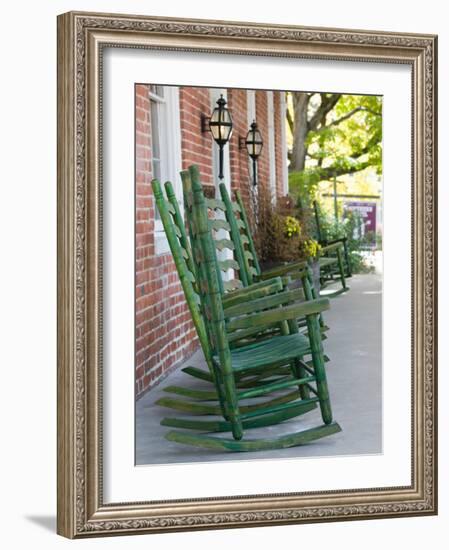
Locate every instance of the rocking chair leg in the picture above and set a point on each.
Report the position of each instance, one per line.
(347, 259)
(320, 373)
(300, 373)
(313, 295)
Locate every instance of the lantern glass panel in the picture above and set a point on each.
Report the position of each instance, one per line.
(254, 142)
(215, 128)
(221, 125)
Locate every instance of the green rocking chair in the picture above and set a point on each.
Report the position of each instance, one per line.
(233, 294)
(335, 263)
(227, 237)
(216, 323)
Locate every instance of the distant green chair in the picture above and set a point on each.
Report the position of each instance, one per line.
(335, 262)
(228, 364)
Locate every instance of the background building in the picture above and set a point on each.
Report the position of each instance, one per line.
(169, 138)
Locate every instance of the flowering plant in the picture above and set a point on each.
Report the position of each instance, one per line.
(292, 227)
(281, 229)
(312, 248)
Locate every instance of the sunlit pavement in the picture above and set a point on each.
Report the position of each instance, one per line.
(354, 345)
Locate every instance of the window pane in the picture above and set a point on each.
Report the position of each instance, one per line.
(157, 90)
(156, 145)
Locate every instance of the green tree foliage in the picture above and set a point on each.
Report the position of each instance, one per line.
(332, 135)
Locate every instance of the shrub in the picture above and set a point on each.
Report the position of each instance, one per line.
(281, 230)
(331, 229)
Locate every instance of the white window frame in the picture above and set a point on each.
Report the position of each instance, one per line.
(284, 151)
(271, 145)
(224, 254)
(250, 106)
(170, 153)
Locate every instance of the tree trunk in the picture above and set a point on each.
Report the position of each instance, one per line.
(300, 131)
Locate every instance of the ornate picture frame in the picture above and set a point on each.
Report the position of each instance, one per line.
(82, 38)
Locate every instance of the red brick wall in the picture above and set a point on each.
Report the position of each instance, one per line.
(164, 330)
(196, 146)
(165, 335)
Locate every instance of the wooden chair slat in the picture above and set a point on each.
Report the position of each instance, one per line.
(216, 204)
(228, 264)
(218, 224)
(221, 244)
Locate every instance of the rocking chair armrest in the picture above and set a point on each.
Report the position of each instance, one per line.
(341, 240)
(284, 269)
(291, 312)
(285, 279)
(267, 302)
(253, 292)
(331, 247)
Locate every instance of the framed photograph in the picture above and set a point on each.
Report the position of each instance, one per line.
(246, 274)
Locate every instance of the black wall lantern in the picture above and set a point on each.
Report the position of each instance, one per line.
(254, 144)
(220, 126)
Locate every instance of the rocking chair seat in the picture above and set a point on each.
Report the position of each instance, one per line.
(276, 350)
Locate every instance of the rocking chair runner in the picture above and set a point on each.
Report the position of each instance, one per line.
(286, 349)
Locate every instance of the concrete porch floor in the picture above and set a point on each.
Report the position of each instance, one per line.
(354, 345)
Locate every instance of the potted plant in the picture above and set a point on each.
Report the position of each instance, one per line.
(283, 235)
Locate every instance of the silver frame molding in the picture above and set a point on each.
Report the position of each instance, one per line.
(81, 37)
